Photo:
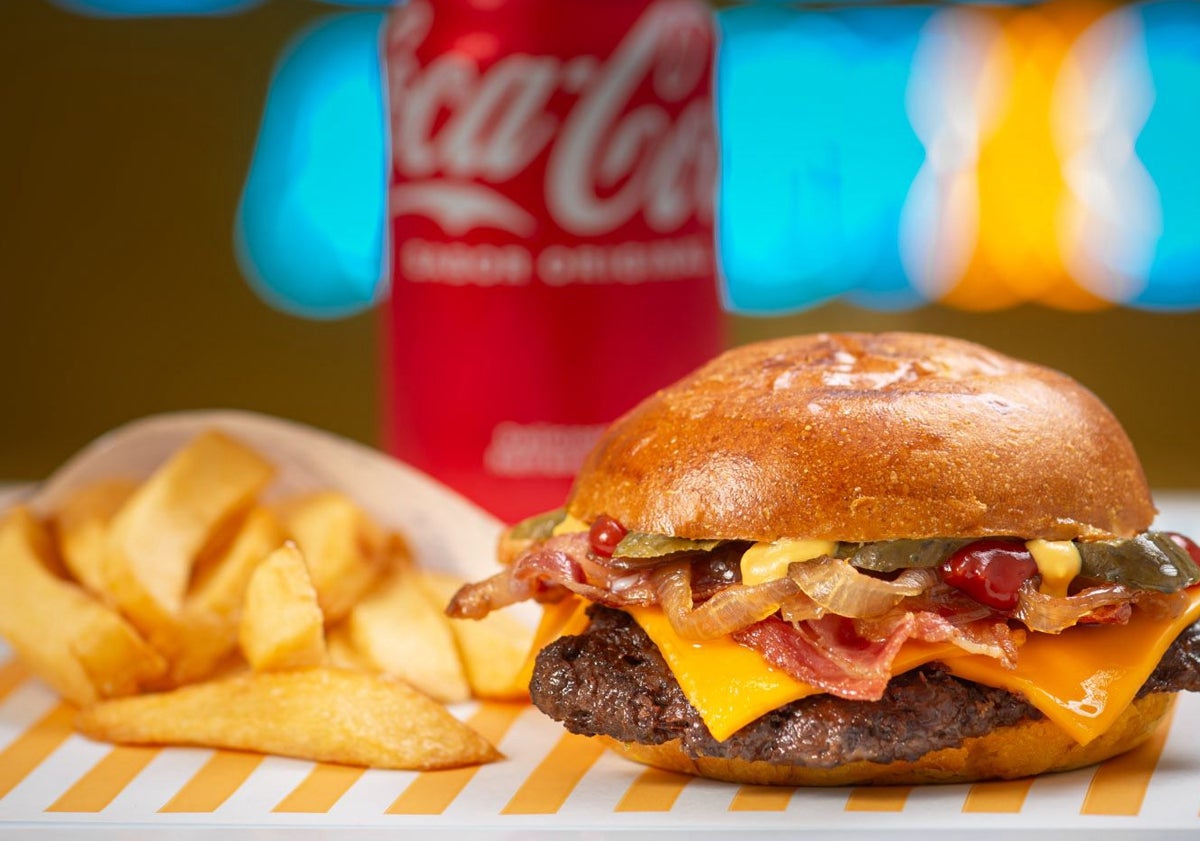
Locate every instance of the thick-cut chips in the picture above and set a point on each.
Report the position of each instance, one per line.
(493, 649)
(398, 630)
(341, 652)
(323, 714)
(188, 502)
(344, 549)
(173, 586)
(204, 636)
(282, 627)
(77, 645)
(219, 584)
(81, 526)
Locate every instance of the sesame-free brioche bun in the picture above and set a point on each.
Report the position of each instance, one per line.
(1024, 749)
(867, 437)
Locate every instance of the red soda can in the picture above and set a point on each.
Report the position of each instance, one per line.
(552, 189)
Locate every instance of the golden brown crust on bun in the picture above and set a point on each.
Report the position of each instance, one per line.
(1021, 750)
(864, 437)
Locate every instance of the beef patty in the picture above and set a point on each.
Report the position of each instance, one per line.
(611, 680)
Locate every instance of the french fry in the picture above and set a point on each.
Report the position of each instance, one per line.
(219, 586)
(21, 525)
(342, 654)
(344, 549)
(116, 660)
(192, 643)
(203, 638)
(81, 526)
(322, 714)
(493, 649)
(282, 627)
(198, 647)
(73, 642)
(398, 630)
(157, 535)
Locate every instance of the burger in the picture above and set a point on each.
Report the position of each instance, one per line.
(855, 559)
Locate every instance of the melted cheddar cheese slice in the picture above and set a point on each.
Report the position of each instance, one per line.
(1085, 677)
(1081, 679)
(731, 685)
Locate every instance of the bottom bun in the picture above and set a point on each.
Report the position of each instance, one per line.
(1020, 750)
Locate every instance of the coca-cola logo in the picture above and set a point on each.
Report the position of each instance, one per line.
(462, 134)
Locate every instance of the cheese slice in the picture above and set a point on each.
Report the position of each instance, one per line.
(1081, 679)
(1085, 677)
(731, 685)
(564, 618)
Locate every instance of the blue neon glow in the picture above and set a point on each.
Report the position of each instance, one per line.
(1168, 148)
(311, 225)
(817, 155)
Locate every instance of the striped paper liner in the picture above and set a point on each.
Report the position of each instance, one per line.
(51, 776)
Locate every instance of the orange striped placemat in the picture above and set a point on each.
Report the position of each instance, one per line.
(50, 776)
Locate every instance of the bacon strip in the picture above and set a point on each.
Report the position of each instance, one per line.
(853, 658)
(989, 637)
(546, 572)
(827, 653)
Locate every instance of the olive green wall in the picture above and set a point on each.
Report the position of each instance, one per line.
(124, 148)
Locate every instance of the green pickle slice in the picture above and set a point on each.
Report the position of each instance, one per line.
(642, 546)
(1150, 561)
(537, 527)
(891, 555)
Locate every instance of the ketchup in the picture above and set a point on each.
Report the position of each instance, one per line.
(1186, 543)
(605, 534)
(990, 571)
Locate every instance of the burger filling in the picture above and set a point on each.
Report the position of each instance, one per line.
(841, 617)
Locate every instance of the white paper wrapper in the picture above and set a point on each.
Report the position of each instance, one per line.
(445, 530)
(54, 784)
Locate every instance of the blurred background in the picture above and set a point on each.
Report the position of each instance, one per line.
(126, 148)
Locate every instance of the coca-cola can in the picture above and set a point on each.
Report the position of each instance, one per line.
(552, 191)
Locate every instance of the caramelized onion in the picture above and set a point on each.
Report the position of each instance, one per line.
(800, 608)
(476, 600)
(839, 588)
(727, 611)
(1161, 605)
(1054, 614)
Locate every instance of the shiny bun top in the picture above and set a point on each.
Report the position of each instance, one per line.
(863, 437)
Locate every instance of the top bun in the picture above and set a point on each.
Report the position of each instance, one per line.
(864, 437)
